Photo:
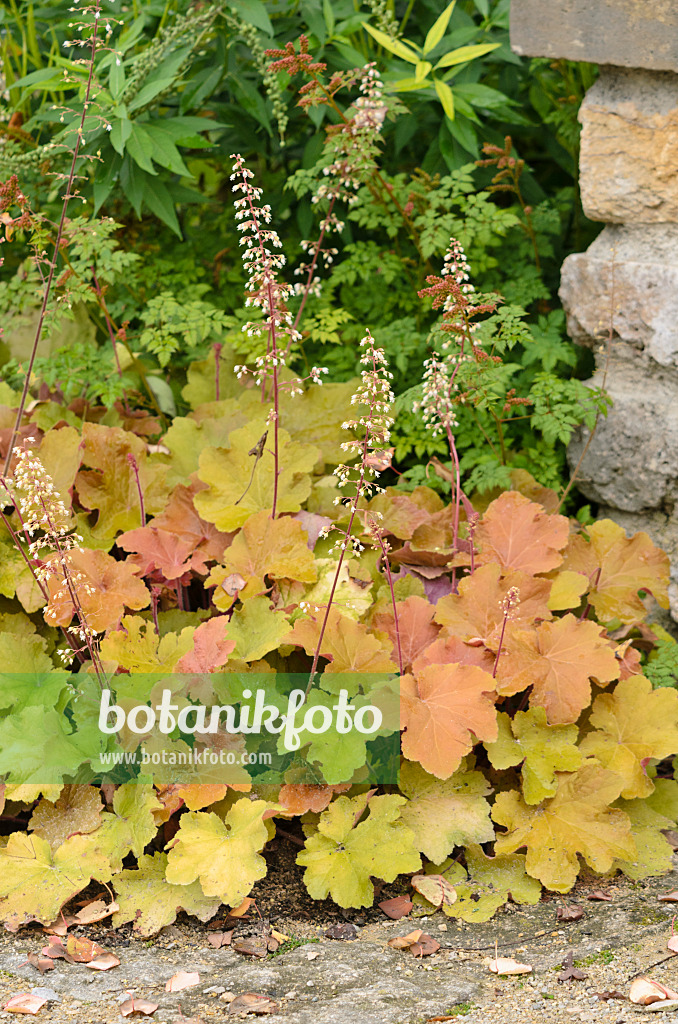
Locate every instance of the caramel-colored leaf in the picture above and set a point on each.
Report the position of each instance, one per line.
(444, 709)
(518, 534)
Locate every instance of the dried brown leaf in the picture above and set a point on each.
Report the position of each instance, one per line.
(397, 907)
(507, 965)
(250, 1002)
(25, 1003)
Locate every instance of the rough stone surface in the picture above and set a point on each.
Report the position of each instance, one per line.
(627, 280)
(629, 147)
(632, 462)
(628, 33)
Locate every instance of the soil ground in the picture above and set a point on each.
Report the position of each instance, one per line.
(316, 980)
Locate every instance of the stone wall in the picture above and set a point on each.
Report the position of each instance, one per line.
(625, 286)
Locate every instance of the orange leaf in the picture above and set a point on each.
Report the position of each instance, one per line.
(478, 609)
(558, 659)
(105, 588)
(517, 533)
(415, 625)
(444, 709)
(448, 649)
(211, 647)
(300, 798)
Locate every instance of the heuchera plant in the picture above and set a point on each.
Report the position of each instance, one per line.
(251, 537)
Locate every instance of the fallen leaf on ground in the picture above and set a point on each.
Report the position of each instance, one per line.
(95, 911)
(418, 942)
(669, 897)
(143, 1006)
(570, 972)
(312, 954)
(569, 913)
(598, 894)
(103, 962)
(507, 965)
(644, 991)
(75, 950)
(345, 931)
(397, 907)
(435, 889)
(672, 944)
(25, 1003)
(425, 946)
(253, 946)
(219, 939)
(250, 1002)
(614, 994)
(242, 908)
(181, 980)
(279, 936)
(41, 963)
(405, 941)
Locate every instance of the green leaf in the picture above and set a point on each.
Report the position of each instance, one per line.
(159, 201)
(140, 147)
(437, 31)
(165, 152)
(445, 96)
(224, 855)
(393, 45)
(151, 90)
(465, 53)
(328, 14)
(120, 133)
(342, 856)
(116, 79)
(131, 826)
(254, 13)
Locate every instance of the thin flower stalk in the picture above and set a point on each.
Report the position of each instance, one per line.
(267, 293)
(375, 393)
(507, 606)
(454, 293)
(377, 532)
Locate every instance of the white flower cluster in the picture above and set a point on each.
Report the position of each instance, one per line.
(48, 525)
(374, 392)
(354, 143)
(265, 290)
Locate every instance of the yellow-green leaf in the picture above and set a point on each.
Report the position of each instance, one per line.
(577, 822)
(151, 902)
(445, 813)
(445, 96)
(633, 724)
(421, 70)
(35, 883)
(541, 748)
(224, 855)
(438, 29)
(393, 45)
(464, 53)
(341, 857)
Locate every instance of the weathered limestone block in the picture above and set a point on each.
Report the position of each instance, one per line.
(627, 33)
(627, 280)
(629, 147)
(632, 462)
